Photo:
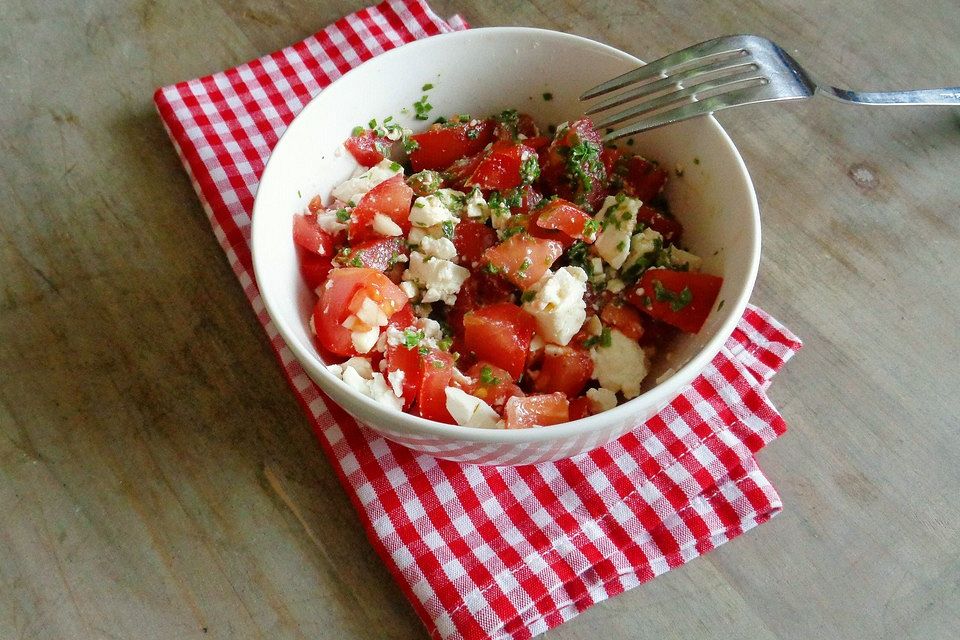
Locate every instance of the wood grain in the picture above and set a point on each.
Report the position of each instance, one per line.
(157, 479)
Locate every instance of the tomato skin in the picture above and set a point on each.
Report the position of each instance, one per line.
(313, 268)
(367, 149)
(379, 253)
(643, 179)
(564, 216)
(554, 170)
(459, 172)
(523, 259)
(497, 390)
(308, 235)
(500, 169)
(480, 289)
(580, 407)
(703, 288)
(392, 197)
(537, 410)
(441, 146)
(565, 369)
(436, 372)
(400, 358)
(500, 334)
(670, 229)
(472, 238)
(610, 156)
(624, 318)
(339, 293)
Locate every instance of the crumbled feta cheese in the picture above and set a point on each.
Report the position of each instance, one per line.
(601, 399)
(359, 376)
(385, 226)
(476, 206)
(371, 314)
(355, 188)
(558, 305)
(410, 289)
(617, 221)
(438, 248)
(537, 343)
(470, 411)
(364, 341)
(681, 258)
(615, 285)
(432, 331)
(436, 208)
(622, 366)
(442, 279)
(644, 246)
(327, 220)
(395, 378)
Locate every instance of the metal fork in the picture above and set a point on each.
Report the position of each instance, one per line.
(722, 73)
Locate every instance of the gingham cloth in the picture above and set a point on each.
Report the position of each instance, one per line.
(489, 552)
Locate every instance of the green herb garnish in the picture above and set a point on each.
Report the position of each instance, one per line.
(426, 87)
(342, 215)
(412, 338)
(447, 226)
(487, 377)
(603, 340)
(422, 107)
(547, 96)
(677, 300)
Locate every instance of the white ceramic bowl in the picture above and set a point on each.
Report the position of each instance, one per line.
(483, 71)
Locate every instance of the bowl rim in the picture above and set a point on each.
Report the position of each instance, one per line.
(414, 425)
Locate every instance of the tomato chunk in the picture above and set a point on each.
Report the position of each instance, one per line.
(404, 359)
(491, 384)
(500, 334)
(436, 372)
(564, 216)
(345, 288)
(682, 299)
(669, 228)
(537, 411)
(565, 369)
(367, 148)
(643, 179)
(379, 254)
(506, 166)
(472, 238)
(314, 268)
(523, 259)
(580, 407)
(392, 197)
(624, 318)
(308, 234)
(571, 165)
(439, 147)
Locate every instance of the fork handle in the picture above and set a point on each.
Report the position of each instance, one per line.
(945, 96)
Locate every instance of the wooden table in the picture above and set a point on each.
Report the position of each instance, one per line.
(158, 480)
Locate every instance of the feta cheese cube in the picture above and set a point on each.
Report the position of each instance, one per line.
(438, 248)
(644, 246)
(410, 289)
(681, 258)
(442, 279)
(354, 189)
(601, 399)
(622, 366)
(558, 305)
(327, 220)
(364, 341)
(357, 374)
(437, 208)
(470, 411)
(476, 206)
(615, 285)
(395, 378)
(618, 219)
(385, 226)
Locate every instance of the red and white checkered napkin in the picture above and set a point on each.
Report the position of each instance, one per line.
(488, 552)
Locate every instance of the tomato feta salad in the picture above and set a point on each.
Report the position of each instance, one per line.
(480, 273)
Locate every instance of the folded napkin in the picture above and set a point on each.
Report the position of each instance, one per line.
(491, 552)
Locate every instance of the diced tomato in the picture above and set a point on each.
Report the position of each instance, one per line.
(379, 253)
(537, 410)
(502, 167)
(580, 177)
(491, 384)
(401, 358)
(436, 372)
(643, 179)
(345, 288)
(392, 198)
(440, 146)
(537, 142)
(500, 334)
(315, 204)
(523, 259)
(459, 172)
(564, 369)
(669, 228)
(367, 148)
(511, 130)
(580, 407)
(683, 299)
(624, 318)
(529, 199)
(308, 234)
(562, 215)
(609, 157)
(313, 268)
(472, 238)
(479, 290)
